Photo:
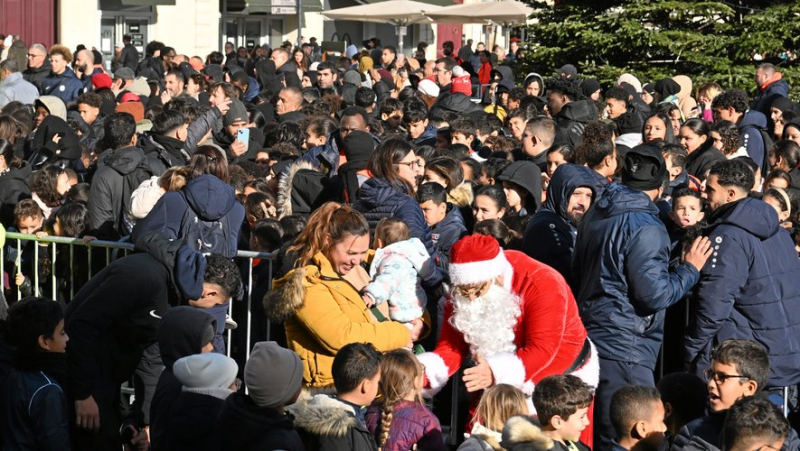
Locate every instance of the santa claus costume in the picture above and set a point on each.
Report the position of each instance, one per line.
(526, 329)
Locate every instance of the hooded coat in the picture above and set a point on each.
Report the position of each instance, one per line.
(107, 339)
(209, 199)
(303, 189)
(550, 236)
(762, 101)
(378, 199)
(16, 88)
(163, 152)
(65, 86)
(321, 313)
(701, 160)
(36, 76)
(327, 424)
(119, 173)
(244, 426)
(527, 175)
(749, 126)
(748, 290)
(572, 120)
(13, 188)
(179, 335)
(620, 275)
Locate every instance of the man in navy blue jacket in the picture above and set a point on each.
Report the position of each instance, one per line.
(622, 281)
(749, 289)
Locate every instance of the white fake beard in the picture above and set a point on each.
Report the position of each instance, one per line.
(488, 321)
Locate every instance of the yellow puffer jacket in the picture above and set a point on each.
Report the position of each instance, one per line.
(323, 312)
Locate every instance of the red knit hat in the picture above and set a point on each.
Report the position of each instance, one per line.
(475, 259)
(101, 81)
(461, 84)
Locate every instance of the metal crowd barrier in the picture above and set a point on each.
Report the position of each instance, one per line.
(113, 251)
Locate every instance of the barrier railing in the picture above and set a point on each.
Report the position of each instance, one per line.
(113, 250)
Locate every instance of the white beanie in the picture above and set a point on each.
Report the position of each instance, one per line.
(428, 88)
(205, 371)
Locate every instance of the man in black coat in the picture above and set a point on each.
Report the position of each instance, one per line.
(129, 56)
(120, 171)
(113, 323)
(39, 67)
(285, 68)
(570, 111)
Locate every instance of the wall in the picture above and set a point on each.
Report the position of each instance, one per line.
(189, 26)
(78, 23)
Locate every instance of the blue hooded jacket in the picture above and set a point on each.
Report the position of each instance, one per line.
(621, 277)
(65, 86)
(209, 198)
(749, 290)
(550, 236)
(751, 137)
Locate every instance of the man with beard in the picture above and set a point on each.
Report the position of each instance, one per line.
(550, 236)
(510, 320)
(620, 274)
(84, 69)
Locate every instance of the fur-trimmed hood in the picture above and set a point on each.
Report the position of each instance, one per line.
(461, 195)
(287, 295)
(285, 186)
(322, 415)
(520, 434)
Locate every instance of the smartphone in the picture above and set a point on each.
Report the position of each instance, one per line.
(243, 135)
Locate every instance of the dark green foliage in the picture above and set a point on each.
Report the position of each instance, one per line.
(707, 40)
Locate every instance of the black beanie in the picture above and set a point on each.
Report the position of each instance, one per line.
(667, 87)
(644, 168)
(629, 122)
(590, 86)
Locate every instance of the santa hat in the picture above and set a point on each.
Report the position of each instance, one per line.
(475, 259)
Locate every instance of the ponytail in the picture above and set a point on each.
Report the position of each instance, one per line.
(331, 219)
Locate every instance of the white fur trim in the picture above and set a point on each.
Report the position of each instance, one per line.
(435, 370)
(508, 369)
(476, 272)
(590, 371)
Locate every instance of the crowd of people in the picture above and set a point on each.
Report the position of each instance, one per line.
(597, 267)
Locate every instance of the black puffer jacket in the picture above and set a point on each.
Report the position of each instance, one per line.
(455, 103)
(246, 427)
(572, 120)
(119, 173)
(37, 76)
(13, 188)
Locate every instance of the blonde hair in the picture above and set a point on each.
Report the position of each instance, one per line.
(498, 404)
(391, 230)
(399, 370)
(175, 178)
(711, 90)
(330, 220)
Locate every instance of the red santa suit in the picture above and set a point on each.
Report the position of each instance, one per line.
(548, 336)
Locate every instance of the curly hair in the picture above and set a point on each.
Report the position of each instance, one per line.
(45, 185)
(564, 87)
(729, 133)
(732, 98)
(223, 272)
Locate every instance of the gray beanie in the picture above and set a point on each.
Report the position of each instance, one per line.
(273, 375)
(209, 370)
(352, 77)
(237, 113)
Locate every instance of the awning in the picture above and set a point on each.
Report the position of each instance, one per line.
(279, 6)
(147, 2)
(430, 2)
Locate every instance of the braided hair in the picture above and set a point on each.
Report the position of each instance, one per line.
(400, 371)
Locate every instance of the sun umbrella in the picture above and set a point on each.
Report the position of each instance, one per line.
(399, 13)
(505, 12)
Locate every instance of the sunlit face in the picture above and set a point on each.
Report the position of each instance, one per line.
(443, 76)
(287, 102)
(30, 224)
(579, 202)
(217, 97)
(62, 184)
(792, 134)
(434, 177)
(719, 144)
(533, 89)
(416, 129)
(36, 58)
(433, 213)
(575, 424)
(484, 207)
(59, 64)
(460, 138)
(615, 108)
(716, 194)
(517, 126)
(554, 160)
(387, 57)
(408, 169)
(776, 204)
(777, 182)
(515, 195)
(655, 130)
(347, 253)
(690, 140)
(675, 120)
(174, 84)
(192, 87)
(313, 139)
(724, 391)
(687, 211)
(88, 113)
(298, 57)
(724, 114)
(279, 58)
(325, 78)
(349, 124)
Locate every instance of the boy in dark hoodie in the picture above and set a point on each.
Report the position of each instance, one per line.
(257, 421)
(207, 381)
(338, 422)
(445, 220)
(184, 331)
(33, 411)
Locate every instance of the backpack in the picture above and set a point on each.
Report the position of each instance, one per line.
(209, 237)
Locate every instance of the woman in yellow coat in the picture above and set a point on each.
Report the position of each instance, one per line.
(322, 311)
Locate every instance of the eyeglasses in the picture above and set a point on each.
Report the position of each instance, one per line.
(413, 165)
(33, 55)
(473, 291)
(720, 378)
